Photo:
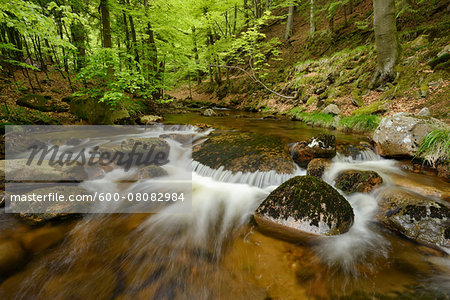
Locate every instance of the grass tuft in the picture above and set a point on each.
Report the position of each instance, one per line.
(435, 147)
(315, 119)
(360, 123)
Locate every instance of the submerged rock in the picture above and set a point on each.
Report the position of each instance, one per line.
(305, 205)
(421, 219)
(401, 134)
(317, 167)
(244, 152)
(12, 256)
(322, 146)
(355, 181)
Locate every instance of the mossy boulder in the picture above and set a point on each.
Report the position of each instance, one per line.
(401, 134)
(355, 181)
(317, 167)
(98, 113)
(321, 146)
(244, 152)
(356, 98)
(41, 103)
(312, 100)
(440, 61)
(149, 119)
(305, 205)
(421, 219)
(374, 108)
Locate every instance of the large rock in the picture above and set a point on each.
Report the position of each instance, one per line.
(12, 256)
(94, 112)
(401, 134)
(416, 217)
(322, 146)
(244, 152)
(355, 181)
(305, 205)
(331, 109)
(317, 167)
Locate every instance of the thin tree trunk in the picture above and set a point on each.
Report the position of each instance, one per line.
(312, 21)
(79, 41)
(106, 26)
(31, 62)
(386, 41)
(246, 16)
(289, 23)
(196, 57)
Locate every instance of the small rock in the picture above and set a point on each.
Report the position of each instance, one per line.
(424, 112)
(353, 181)
(209, 113)
(151, 171)
(322, 146)
(317, 167)
(12, 256)
(331, 109)
(149, 119)
(305, 205)
(356, 99)
(420, 41)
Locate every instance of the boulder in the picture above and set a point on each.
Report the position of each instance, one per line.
(421, 219)
(317, 167)
(331, 109)
(149, 119)
(401, 134)
(209, 113)
(244, 152)
(94, 112)
(12, 256)
(303, 206)
(322, 146)
(355, 181)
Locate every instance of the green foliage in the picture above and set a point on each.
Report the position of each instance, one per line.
(371, 108)
(360, 123)
(435, 147)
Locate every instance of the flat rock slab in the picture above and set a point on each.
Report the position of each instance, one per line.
(244, 152)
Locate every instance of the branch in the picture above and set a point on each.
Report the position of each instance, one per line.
(254, 78)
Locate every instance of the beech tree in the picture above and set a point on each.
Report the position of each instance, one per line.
(386, 41)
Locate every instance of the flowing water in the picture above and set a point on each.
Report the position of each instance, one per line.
(216, 251)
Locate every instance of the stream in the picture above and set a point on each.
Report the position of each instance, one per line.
(217, 252)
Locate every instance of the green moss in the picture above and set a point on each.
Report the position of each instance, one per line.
(439, 60)
(312, 100)
(356, 97)
(309, 197)
(371, 108)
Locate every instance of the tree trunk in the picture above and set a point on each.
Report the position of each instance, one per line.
(312, 21)
(152, 65)
(289, 23)
(246, 16)
(386, 41)
(106, 26)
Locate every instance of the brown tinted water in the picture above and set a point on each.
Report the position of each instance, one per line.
(217, 252)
